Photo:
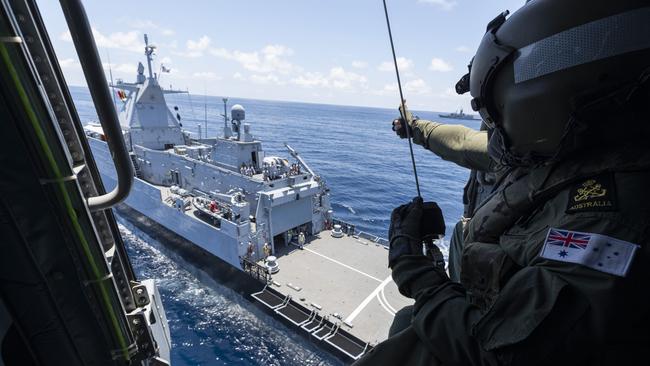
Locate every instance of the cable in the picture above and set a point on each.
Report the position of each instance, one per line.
(401, 95)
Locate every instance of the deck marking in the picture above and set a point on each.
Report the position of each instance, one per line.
(343, 264)
(381, 302)
(383, 295)
(367, 300)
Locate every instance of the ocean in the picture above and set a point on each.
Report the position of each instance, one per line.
(368, 170)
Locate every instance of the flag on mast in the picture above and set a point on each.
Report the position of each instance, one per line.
(122, 95)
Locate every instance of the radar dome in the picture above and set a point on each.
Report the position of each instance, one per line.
(237, 113)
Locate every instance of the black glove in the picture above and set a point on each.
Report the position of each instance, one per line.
(411, 225)
(405, 232)
(398, 127)
(398, 123)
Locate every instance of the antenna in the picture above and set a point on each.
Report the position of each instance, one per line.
(110, 72)
(401, 95)
(205, 110)
(227, 131)
(189, 96)
(148, 51)
(225, 112)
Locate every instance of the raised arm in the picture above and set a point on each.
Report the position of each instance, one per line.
(461, 145)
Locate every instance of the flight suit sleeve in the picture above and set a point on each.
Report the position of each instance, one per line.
(456, 143)
(548, 311)
(442, 318)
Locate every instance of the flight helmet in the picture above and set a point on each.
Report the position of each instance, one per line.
(539, 74)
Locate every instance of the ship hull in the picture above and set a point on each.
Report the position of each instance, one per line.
(195, 241)
(219, 270)
(147, 200)
(469, 118)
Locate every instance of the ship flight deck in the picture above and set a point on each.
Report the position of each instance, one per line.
(346, 279)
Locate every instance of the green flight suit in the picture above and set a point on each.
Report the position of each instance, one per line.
(456, 143)
(516, 307)
(465, 147)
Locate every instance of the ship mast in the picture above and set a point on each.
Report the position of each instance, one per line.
(148, 51)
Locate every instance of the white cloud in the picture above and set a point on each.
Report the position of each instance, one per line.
(260, 78)
(150, 25)
(438, 64)
(404, 65)
(445, 4)
(311, 79)
(416, 86)
(359, 64)
(123, 68)
(271, 58)
(341, 79)
(266, 79)
(450, 93)
(200, 45)
(206, 75)
(389, 88)
(129, 41)
(195, 48)
(68, 63)
(463, 49)
(337, 78)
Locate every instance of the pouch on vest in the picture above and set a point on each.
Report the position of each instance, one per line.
(484, 269)
(537, 311)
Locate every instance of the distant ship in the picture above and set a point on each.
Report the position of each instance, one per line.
(458, 115)
(262, 224)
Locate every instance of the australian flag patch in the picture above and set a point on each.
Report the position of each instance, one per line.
(596, 251)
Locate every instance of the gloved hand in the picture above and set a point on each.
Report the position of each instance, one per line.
(414, 267)
(398, 123)
(405, 232)
(398, 127)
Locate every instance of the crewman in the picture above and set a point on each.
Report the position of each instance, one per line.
(301, 239)
(467, 148)
(556, 262)
(267, 250)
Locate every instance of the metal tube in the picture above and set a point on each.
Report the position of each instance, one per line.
(93, 71)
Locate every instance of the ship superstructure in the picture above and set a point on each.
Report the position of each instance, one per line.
(227, 181)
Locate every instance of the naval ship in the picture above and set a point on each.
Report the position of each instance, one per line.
(260, 224)
(458, 115)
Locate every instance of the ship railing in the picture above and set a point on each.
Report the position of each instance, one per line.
(373, 238)
(351, 230)
(255, 270)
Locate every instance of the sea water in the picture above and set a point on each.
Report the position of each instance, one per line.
(369, 172)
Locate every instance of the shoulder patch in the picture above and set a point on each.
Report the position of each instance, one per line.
(593, 194)
(596, 251)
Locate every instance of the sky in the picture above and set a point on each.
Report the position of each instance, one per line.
(332, 52)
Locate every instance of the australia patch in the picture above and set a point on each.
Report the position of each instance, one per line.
(600, 252)
(593, 194)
